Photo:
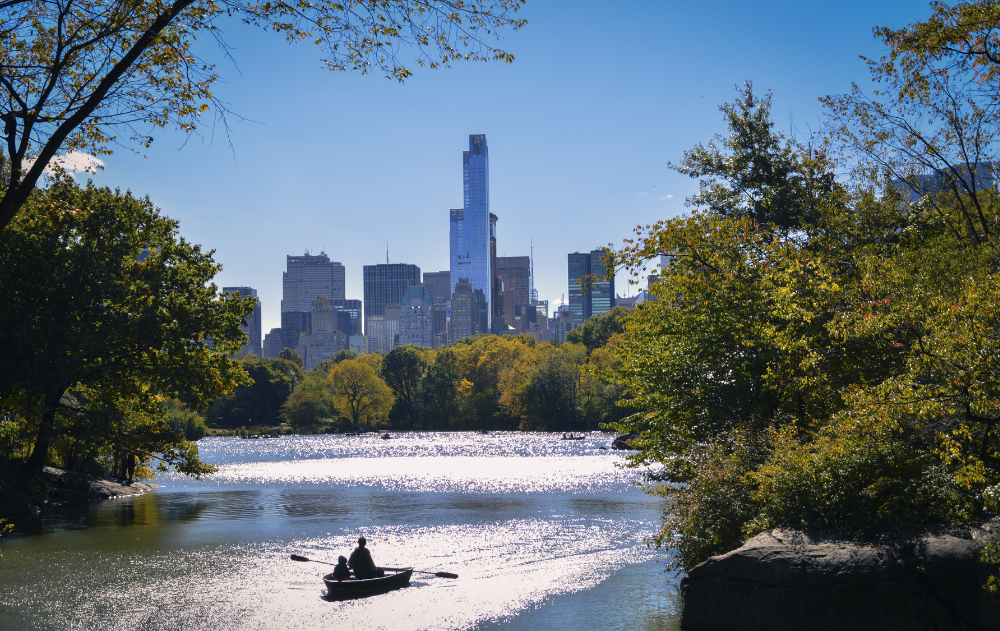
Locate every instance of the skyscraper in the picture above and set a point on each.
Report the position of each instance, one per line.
(514, 274)
(438, 284)
(597, 297)
(253, 325)
(416, 323)
(472, 227)
(385, 284)
(309, 276)
(468, 312)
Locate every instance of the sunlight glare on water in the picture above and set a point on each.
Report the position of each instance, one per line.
(525, 520)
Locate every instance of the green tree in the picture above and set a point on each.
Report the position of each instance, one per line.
(403, 370)
(291, 355)
(310, 406)
(597, 330)
(359, 393)
(84, 76)
(80, 311)
(259, 402)
(440, 390)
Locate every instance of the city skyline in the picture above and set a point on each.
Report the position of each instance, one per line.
(580, 139)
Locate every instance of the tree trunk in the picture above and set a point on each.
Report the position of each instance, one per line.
(46, 434)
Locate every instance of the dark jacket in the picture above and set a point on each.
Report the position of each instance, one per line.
(341, 572)
(361, 562)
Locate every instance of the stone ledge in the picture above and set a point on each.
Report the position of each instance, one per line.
(789, 580)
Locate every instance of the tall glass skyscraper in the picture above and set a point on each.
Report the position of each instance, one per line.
(470, 229)
(599, 296)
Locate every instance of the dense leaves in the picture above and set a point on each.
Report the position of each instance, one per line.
(104, 312)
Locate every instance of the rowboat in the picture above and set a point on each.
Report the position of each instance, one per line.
(395, 577)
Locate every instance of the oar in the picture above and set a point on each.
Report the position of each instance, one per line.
(296, 557)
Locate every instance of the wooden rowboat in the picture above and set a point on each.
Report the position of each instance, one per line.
(395, 577)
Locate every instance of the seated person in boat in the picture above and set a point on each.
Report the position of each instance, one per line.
(361, 562)
(341, 572)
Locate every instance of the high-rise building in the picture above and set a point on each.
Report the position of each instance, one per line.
(385, 284)
(382, 331)
(295, 324)
(416, 318)
(272, 344)
(514, 274)
(469, 312)
(353, 308)
(309, 276)
(438, 285)
(589, 296)
(561, 323)
(473, 227)
(325, 340)
(253, 323)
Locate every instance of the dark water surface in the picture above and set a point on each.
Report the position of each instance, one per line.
(543, 533)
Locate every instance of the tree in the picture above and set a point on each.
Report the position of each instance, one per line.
(310, 405)
(83, 76)
(598, 329)
(440, 390)
(359, 393)
(81, 311)
(403, 370)
(543, 389)
(259, 402)
(291, 355)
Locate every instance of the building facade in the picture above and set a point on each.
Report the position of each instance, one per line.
(253, 322)
(438, 285)
(514, 275)
(596, 297)
(382, 331)
(385, 284)
(295, 324)
(309, 276)
(324, 340)
(416, 318)
(272, 344)
(473, 227)
(468, 312)
(353, 308)
(561, 323)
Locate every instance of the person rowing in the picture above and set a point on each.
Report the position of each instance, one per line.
(361, 562)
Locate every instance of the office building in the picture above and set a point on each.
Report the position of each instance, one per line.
(472, 231)
(514, 276)
(438, 285)
(561, 324)
(295, 324)
(253, 323)
(353, 308)
(309, 276)
(469, 312)
(416, 321)
(439, 324)
(272, 344)
(912, 188)
(382, 331)
(324, 339)
(385, 284)
(589, 292)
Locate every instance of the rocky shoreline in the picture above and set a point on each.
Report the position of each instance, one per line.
(21, 494)
(790, 580)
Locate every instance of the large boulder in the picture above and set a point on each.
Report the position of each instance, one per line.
(624, 442)
(788, 580)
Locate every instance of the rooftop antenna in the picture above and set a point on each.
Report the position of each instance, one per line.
(386, 252)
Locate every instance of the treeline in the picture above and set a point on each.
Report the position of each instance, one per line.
(824, 352)
(481, 382)
(111, 332)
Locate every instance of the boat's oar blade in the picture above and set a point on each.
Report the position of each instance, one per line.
(445, 574)
(296, 557)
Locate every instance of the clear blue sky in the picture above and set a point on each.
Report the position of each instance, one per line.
(580, 128)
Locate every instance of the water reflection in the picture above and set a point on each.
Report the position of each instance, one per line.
(558, 542)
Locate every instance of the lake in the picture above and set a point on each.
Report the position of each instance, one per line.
(543, 533)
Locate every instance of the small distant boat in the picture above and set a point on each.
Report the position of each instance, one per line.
(484, 432)
(570, 436)
(359, 588)
(385, 436)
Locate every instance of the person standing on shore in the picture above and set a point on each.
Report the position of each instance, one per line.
(130, 467)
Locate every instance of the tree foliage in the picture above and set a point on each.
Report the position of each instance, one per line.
(84, 76)
(359, 393)
(94, 335)
(259, 402)
(835, 372)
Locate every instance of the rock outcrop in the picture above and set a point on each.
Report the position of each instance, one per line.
(787, 580)
(21, 494)
(624, 442)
